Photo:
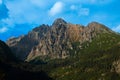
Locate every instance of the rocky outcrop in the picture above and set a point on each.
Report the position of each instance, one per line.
(54, 44)
(54, 41)
(22, 46)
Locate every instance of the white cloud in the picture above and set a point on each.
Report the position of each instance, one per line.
(56, 9)
(81, 11)
(39, 3)
(9, 22)
(117, 29)
(3, 29)
(24, 11)
(93, 2)
(0, 1)
(84, 12)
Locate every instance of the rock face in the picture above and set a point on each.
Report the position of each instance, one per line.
(22, 45)
(54, 41)
(116, 65)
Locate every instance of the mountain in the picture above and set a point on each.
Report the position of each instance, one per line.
(22, 45)
(12, 69)
(50, 42)
(67, 51)
(98, 60)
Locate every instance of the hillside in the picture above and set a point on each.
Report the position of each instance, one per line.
(98, 60)
(67, 51)
(13, 69)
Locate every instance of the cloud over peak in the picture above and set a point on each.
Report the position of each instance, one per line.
(56, 8)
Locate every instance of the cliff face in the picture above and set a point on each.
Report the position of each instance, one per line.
(54, 41)
(22, 45)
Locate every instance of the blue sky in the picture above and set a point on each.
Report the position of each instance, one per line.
(17, 17)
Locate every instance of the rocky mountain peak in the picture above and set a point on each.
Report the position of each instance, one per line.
(12, 41)
(98, 27)
(54, 41)
(59, 21)
(59, 26)
(41, 28)
(95, 25)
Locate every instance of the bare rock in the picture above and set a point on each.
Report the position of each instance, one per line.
(54, 41)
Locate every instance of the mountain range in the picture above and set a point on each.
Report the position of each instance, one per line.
(66, 51)
(54, 41)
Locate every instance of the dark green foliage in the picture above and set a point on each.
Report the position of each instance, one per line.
(12, 69)
(5, 52)
(93, 61)
(8, 72)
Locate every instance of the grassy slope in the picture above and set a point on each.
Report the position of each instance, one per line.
(93, 62)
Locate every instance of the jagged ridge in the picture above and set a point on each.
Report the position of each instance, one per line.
(49, 42)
